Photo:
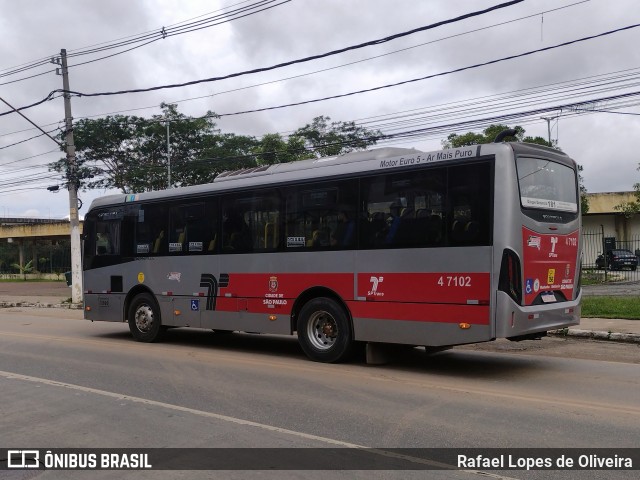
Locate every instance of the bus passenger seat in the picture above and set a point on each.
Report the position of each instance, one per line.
(212, 244)
(158, 242)
(471, 231)
(434, 232)
(457, 230)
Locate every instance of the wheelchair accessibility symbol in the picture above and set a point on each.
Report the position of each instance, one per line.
(195, 305)
(529, 286)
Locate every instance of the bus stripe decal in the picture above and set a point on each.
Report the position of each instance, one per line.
(209, 281)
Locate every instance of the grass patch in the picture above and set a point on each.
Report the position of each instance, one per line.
(611, 307)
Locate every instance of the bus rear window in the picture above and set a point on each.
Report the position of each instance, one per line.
(547, 185)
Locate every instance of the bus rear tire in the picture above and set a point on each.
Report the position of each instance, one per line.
(145, 322)
(324, 331)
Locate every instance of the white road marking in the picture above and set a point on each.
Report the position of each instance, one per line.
(238, 421)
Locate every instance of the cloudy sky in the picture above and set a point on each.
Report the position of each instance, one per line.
(601, 136)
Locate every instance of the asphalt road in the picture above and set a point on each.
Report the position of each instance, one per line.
(65, 382)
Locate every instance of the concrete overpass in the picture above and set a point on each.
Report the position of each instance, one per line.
(24, 231)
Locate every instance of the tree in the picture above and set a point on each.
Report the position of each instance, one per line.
(629, 209)
(489, 134)
(130, 153)
(337, 138)
(272, 148)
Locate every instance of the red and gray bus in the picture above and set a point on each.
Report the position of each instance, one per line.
(392, 246)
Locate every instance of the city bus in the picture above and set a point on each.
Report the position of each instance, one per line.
(386, 246)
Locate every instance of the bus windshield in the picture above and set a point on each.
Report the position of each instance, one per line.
(547, 185)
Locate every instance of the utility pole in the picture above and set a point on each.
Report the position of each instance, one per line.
(168, 157)
(72, 182)
(548, 120)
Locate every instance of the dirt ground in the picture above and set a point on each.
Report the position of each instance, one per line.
(37, 289)
(34, 292)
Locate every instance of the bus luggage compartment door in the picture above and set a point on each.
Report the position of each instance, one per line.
(186, 311)
(104, 307)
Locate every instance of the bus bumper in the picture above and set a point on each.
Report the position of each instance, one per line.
(517, 321)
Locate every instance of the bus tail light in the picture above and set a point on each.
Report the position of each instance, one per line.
(510, 276)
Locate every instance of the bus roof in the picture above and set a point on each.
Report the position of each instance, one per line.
(387, 158)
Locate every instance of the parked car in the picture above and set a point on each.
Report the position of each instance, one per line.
(618, 259)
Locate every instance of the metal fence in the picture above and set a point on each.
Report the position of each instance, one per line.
(594, 245)
(45, 256)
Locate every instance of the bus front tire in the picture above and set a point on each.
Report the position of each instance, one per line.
(145, 323)
(324, 331)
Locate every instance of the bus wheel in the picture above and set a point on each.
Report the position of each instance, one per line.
(144, 319)
(324, 332)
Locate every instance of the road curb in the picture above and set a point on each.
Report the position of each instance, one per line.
(68, 306)
(596, 335)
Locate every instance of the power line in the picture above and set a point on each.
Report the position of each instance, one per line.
(51, 96)
(413, 80)
(28, 158)
(153, 35)
(164, 34)
(80, 49)
(341, 65)
(420, 132)
(27, 78)
(29, 139)
(305, 59)
(332, 97)
(527, 116)
(292, 62)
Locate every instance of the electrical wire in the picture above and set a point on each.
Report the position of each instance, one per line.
(332, 97)
(157, 34)
(301, 60)
(28, 139)
(341, 65)
(165, 35)
(427, 77)
(52, 95)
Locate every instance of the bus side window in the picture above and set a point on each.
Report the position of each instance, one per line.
(405, 209)
(470, 200)
(150, 230)
(102, 244)
(321, 216)
(251, 223)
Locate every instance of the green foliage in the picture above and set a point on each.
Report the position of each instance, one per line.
(274, 149)
(584, 199)
(130, 153)
(24, 269)
(488, 135)
(629, 209)
(336, 138)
